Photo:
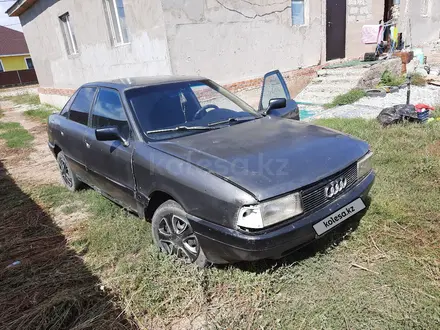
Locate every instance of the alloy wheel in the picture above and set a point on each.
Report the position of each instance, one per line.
(177, 237)
(65, 173)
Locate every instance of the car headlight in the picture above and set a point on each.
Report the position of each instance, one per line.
(271, 212)
(364, 165)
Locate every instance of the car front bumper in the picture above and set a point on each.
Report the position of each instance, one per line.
(225, 245)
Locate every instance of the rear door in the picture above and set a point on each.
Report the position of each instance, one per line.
(72, 130)
(274, 86)
(109, 162)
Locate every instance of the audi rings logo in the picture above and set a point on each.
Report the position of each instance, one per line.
(335, 187)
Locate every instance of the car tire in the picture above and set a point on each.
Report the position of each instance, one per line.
(376, 93)
(173, 234)
(68, 177)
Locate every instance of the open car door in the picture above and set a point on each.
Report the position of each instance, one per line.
(275, 89)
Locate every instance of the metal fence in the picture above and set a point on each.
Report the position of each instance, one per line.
(20, 77)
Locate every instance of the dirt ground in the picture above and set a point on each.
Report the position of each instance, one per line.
(43, 282)
(37, 166)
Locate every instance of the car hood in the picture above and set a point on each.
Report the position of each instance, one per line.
(268, 156)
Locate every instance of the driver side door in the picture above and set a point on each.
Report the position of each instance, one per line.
(274, 86)
(110, 162)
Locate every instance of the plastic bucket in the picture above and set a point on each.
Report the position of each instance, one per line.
(423, 116)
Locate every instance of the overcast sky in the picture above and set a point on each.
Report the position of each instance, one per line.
(10, 22)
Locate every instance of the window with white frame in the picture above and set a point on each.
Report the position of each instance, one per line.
(115, 13)
(1, 66)
(68, 34)
(29, 63)
(298, 12)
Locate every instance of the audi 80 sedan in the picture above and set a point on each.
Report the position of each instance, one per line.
(220, 181)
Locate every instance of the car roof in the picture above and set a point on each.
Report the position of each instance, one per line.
(135, 82)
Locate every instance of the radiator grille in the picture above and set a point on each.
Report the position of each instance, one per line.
(315, 197)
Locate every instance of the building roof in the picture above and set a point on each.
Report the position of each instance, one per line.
(12, 42)
(19, 7)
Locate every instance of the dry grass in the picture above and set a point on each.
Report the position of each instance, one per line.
(51, 288)
(25, 98)
(385, 274)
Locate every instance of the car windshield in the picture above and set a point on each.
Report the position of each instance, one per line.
(172, 110)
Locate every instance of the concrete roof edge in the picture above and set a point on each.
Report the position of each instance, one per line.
(19, 7)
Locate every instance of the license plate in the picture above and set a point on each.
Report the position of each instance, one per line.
(339, 216)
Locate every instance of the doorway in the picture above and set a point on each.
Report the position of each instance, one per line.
(336, 25)
(387, 10)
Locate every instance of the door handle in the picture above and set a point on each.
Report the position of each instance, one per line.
(88, 145)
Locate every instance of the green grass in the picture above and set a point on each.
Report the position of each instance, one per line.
(26, 98)
(347, 98)
(318, 288)
(389, 79)
(15, 135)
(41, 113)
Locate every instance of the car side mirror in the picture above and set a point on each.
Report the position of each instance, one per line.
(110, 134)
(277, 103)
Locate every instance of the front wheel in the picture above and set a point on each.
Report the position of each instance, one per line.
(68, 177)
(173, 234)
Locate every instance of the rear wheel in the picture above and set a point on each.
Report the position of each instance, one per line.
(173, 234)
(68, 177)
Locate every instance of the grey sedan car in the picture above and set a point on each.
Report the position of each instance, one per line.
(220, 181)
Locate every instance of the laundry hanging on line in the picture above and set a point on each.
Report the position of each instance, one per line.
(371, 33)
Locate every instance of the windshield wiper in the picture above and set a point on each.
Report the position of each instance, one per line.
(232, 120)
(181, 128)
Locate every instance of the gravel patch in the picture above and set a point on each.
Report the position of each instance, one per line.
(370, 107)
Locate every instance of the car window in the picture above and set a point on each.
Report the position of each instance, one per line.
(108, 111)
(65, 111)
(272, 88)
(79, 111)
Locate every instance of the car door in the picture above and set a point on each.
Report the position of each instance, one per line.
(109, 162)
(274, 86)
(72, 128)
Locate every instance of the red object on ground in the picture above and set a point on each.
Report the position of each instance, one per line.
(419, 107)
